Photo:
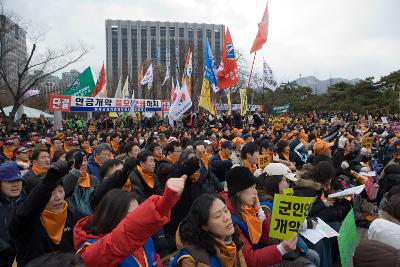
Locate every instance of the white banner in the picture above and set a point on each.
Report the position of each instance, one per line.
(182, 104)
(268, 77)
(148, 76)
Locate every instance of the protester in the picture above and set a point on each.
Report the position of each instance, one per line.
(244, 204)
(11, 196)
(118, 240)
(43, 223)
(40, 165)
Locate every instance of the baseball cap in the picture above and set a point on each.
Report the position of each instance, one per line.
(9, 172)
(280, 169)
(20, 150)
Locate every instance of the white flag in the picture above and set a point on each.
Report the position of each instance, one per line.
(166, 75)
(118, 92)
(102, 93)
(189, 67)
(182, 104)
(268, 77)
(131, 110)
(125, 89)
(148, 76)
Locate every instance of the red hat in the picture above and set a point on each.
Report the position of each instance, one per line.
(20, 150)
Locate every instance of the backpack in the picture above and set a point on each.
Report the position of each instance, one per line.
(79, 201)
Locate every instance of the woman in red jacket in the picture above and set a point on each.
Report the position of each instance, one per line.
(119, 232)
(254, 227)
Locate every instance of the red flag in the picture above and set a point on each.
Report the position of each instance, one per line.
(228, 72)
(100, 82)
(262, 33)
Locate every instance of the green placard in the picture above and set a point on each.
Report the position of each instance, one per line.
(347, 238)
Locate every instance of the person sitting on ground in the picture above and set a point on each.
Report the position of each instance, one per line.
(40, 165)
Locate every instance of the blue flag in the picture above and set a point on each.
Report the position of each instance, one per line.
(210, 72)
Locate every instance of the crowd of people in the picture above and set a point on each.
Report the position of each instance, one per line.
(132, 191)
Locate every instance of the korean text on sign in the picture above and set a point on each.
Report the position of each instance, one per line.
(262, 161)
(288, 214)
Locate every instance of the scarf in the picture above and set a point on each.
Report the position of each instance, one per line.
(54, 223)
(223, 155)
(84, 179)
(52, 151)
(159, 158)
(226, 253)
(252, 167)
(114, 146)
(146, 176)
(87, 149)
(204, 160)
(172, 159)
(254, 225)
(37, 170)
(8, 151)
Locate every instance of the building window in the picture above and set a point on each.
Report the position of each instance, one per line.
(171, 32)
(143, 43)
(153, 31)
(134, 49)
(181, 32)
(124, 52)
(163, 32)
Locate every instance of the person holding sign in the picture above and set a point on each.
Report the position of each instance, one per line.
(254, 226)
(273, 182)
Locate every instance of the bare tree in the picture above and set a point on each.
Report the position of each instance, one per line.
(32, 67)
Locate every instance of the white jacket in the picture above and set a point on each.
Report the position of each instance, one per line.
(385, 230)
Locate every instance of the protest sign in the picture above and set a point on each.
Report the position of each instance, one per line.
(367, 142)
(347, 238)
(288, 214)
(280, 109)
(262, 161)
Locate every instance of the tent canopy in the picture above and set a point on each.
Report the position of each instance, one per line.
(30, 112)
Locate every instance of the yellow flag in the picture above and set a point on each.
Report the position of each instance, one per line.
(205, 97)
(228, 96)
(243, 101)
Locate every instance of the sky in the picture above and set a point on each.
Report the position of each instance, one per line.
(322, 38)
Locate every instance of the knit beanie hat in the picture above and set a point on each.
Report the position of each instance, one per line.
(239, 178)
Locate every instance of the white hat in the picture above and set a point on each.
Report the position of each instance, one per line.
(280, 169)
(208, 142)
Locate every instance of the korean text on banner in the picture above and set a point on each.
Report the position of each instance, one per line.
(367, 142)
(288, 214)
(347, 238)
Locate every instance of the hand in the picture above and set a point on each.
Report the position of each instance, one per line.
(177, 184)
(256, 204)
(56, 171)
(78, 159)
(290, 245)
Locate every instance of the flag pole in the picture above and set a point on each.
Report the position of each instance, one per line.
(251, 71)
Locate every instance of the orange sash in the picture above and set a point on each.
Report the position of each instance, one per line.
(159, 158)
(114, 146)
(254, 225)
(52, 151)
(147, 177)
(204, 160)
(127, 186)
(227, 253)
(54, 223)
(172, 159)
(37, 170)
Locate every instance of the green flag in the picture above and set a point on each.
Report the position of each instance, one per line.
(83, 85)
(280, 109)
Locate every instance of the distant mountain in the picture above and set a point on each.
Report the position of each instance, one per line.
(321, 86)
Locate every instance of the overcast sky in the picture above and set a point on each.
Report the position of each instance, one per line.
(324, 38)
